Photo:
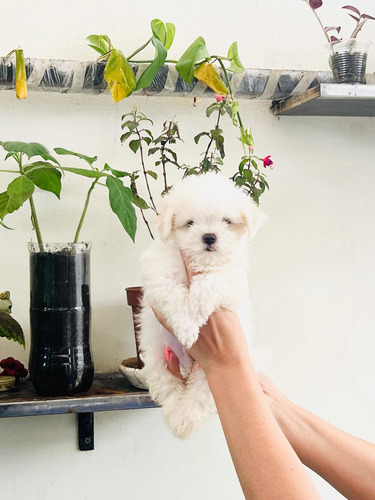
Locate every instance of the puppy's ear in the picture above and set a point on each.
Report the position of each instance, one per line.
(254, 217)
(164, 223)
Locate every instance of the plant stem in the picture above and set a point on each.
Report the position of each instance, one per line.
(151, 61)
(84, 211)
(147, 224)
(230, 90)
(319, 21)
(144, 171)
(35, 222)
(140, 49)
(10, 171)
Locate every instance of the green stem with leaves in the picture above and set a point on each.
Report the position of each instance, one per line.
(34, 217)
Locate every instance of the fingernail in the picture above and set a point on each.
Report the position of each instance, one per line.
(167, 353)
(197, 367)
(150, 304)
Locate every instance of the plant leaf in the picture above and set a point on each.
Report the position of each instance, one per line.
(95, 174)
(18, 191)
(134, 145)
(150, 72)
(350, 7)
(89, 159)
(116, 173)
(235, 63)
(47, 177)
(11, 329)
(164, 33)
(207, 73)
(100, 43)
(29, 148)
(192, 55)
(120, 199)
(21, 82)
(315, 4)
(119, 75)
(139, 202)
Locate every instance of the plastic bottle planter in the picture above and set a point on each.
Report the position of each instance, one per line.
(348, 60)
(134, 297)
(60, 357)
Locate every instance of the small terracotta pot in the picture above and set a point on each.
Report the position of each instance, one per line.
(134, 296)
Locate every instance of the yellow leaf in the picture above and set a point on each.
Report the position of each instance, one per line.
(119, 76)
(207, 73)
(21, 82)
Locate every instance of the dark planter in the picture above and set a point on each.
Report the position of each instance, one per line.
(134, 297)
(60, 361)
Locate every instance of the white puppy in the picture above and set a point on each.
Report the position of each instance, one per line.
(210, 221)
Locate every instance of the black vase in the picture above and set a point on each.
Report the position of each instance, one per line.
(60, 361)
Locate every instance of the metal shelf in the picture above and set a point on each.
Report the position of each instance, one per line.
(328, 99)
(108, 392)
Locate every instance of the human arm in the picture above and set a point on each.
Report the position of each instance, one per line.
(266, 465)
(346, 462)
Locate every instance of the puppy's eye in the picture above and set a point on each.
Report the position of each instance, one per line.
(227, 221)
(190, 223)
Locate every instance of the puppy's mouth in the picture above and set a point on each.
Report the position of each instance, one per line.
(210, 248)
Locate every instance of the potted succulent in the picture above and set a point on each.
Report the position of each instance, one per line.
(348, 56)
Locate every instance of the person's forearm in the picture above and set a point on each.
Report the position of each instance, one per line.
(265, 462)
(346, 462)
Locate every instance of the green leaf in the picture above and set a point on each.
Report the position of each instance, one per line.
(197, 137)
(19, 191)
(120, 199)
(85, 172)
(150, 72)
(11, 329)
(116, 173)
(134, 145)
(163, 33)
(139, 202)
(29, 148)
(192, 55)
(235, 63)
(154, 175)
(89, 159)
(119, 75)
(47, 178)
(100, 43)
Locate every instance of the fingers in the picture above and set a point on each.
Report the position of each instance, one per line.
(173, 363)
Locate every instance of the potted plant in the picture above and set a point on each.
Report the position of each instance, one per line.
(348, 56)
(60, 355)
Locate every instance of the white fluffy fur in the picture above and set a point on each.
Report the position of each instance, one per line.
(201, 205)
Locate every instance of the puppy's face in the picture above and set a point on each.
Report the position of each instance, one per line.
(210, 219)
(209, 239)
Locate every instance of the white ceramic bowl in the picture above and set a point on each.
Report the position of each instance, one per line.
(135, 376)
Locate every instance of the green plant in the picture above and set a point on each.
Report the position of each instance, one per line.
(45, 172)
(143, 141)
(195, 62)
(9, 327)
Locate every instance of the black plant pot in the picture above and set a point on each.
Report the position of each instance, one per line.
(60, 361)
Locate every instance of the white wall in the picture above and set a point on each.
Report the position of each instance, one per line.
(312, 271)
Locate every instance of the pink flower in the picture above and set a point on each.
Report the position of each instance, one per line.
(219, 97)
(267, 162)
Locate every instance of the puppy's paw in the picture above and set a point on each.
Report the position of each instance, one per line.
(187, 337)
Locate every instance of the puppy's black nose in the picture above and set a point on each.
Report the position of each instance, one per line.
(209, 238)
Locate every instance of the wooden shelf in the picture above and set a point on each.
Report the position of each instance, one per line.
(108, 392)
(329, 99)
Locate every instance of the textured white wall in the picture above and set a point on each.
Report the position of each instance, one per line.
(312, 271)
